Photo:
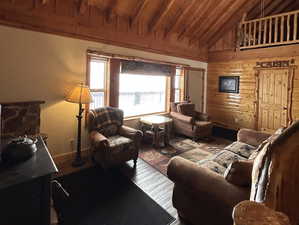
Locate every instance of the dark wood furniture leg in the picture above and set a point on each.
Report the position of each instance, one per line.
(156, 136)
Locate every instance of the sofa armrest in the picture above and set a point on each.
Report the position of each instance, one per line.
(131, 133)
(202, 116)
(200, 180)
(98, 140)
(181, 117)
(252, 137)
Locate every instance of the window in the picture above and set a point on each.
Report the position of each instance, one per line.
(179, 85)
(142, 94)
(97, 81)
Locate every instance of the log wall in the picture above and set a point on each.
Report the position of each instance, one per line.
(237, 110)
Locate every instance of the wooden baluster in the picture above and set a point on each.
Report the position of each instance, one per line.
(276, 30)
(254, 33)
(245, 35)
(242, 32)
(250, 35)
(295, 26)
(270, 31)
(265, 31)
(260, 32)
(281, 28)
(288, 27)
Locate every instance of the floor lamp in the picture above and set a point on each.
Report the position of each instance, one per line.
(80, 95)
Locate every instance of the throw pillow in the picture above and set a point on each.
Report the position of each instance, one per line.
(239, 173)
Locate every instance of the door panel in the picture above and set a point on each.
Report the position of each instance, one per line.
(273, 99)
(196, 88)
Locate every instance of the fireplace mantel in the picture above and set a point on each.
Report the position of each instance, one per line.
(22, 103)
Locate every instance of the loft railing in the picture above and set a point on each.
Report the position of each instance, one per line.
(280, 29)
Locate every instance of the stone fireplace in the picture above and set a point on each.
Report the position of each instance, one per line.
(20, 118)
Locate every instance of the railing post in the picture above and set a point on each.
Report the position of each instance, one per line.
(295, 26)
(254, 33)
(260, 32)
(281, 28)
(288, 27)
(270, 31)
(276, 30)
(265, 31)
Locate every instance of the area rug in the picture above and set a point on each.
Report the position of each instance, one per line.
(100, 197)
(183, 147)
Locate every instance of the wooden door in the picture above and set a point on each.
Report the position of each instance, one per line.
(195, 86)
(272, 99)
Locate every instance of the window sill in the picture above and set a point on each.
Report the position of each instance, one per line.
(138, 117)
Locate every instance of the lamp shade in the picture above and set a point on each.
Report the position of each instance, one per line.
(79, 94)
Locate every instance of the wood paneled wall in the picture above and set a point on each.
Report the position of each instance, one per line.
(237, 110)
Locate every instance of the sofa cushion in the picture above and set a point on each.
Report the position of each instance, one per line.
(186, 109)
(109, 130)
(211, 165)
(220, 161)
(224, 158)
(241, 148)
(119, 143)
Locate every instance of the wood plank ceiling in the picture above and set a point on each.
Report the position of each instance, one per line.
(181, 28)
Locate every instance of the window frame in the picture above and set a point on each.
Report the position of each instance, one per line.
(167, 99)
(181, 87)
(105, 90)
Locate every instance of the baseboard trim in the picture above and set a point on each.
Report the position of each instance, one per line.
(68, 156)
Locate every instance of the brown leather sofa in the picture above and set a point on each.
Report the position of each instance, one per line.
(203, 196)
(188, 122)
(112, 143)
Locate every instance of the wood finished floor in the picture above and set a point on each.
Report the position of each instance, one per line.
(154, 184)
(150, 180)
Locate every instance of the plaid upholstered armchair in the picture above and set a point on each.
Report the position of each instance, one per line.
(111, 142)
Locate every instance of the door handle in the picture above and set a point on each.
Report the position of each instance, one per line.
(285, 108)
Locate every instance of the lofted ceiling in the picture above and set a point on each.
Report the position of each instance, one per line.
(181, 28)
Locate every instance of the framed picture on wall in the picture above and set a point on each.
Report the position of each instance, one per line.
(229, 84)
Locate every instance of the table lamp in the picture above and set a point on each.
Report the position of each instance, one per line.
(80, 95)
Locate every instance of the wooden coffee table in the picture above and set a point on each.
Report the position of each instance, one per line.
(156, 121)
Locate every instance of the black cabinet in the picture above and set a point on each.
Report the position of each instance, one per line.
(25, 190)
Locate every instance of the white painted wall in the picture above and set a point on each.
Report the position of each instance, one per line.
(39, 66)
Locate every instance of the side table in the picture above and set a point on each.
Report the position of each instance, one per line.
(253, 213)
(156, 121)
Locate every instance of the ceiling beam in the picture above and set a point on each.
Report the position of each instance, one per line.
(222, 7)
(138, 13)
(220, 21)
(233, 21)
(180, 18)
(83, 6)
(110, 10)
(158, 18)
(200, 13)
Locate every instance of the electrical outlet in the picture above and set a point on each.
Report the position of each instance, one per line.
(72, 144)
